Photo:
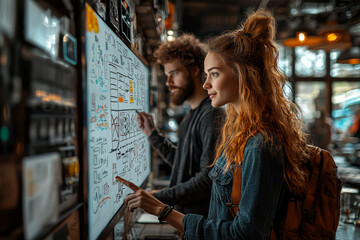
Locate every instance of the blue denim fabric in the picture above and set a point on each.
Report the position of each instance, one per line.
(262, 192)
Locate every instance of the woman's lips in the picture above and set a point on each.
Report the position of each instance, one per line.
(212, 95)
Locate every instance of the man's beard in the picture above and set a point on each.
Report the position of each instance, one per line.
(183, 93)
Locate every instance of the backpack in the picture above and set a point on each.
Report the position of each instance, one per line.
(314, 216)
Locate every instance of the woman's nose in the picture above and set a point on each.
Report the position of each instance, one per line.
(206, 85)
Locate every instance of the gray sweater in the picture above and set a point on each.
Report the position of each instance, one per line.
(190, 186)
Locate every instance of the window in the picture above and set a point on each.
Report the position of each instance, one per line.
(345, 101)
(288, 90)
(310, 63)
(285, 60)
(310, 97)
(340, 69)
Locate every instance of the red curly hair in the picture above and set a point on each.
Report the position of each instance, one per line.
(252, 54)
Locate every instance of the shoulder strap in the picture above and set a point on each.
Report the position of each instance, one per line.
(317, 163)
(236, 191)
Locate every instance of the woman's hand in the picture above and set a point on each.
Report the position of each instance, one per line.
(144, 200)
(141, 199)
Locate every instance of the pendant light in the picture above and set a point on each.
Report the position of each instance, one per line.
(352, 55)
(303, 35)
(335, 35)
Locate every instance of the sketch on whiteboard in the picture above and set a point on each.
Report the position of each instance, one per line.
(117, 86)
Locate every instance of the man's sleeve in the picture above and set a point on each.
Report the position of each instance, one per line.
(199, 186)
(165, 148)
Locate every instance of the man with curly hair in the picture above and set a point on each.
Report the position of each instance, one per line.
(190, 185)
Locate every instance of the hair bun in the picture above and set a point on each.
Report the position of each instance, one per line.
(242, 33)
(260, 25)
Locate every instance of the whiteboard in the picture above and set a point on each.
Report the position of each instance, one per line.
(117, 86)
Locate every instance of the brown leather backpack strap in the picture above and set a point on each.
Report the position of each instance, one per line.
(273, 235)
(236, 191)
(312, 186)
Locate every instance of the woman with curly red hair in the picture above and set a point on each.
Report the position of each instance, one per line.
(261, 134)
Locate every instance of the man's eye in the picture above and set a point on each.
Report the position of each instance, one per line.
(204, 79)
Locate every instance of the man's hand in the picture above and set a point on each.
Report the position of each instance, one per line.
(152, 192)
(146, 123)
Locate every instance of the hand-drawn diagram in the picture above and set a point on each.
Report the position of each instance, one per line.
(117, 87)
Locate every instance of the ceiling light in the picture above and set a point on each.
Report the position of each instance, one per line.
(352, 55)
(302, 35)
(332, 37)
(335, 35)
(332, 30)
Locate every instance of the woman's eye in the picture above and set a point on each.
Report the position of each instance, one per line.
(214, 74)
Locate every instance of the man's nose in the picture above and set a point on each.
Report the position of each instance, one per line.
(168, 81)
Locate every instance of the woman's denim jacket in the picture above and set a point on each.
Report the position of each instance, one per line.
(262, 191)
